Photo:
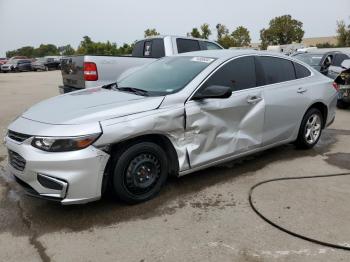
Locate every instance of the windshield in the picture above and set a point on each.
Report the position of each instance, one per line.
(310, 59)
(167, 75)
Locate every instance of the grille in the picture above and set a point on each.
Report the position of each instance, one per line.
(16, 161)
(17, 136)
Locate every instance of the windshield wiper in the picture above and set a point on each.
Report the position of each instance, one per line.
(134, 90)
(110, 86)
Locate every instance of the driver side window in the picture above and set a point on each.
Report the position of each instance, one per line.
(237, 74)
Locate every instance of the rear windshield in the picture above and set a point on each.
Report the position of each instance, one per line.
(310, 59)
(167, 75)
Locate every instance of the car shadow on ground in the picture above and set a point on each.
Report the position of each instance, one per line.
(45, 216)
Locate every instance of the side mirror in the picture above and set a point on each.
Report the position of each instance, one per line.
(346, 64)
(213, 92)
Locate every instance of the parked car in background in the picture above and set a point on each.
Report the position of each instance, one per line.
(17, 65)
(328, 63)
(45, 64)
(342, 83)
(88, 71)
(3, 61)
(175, 116)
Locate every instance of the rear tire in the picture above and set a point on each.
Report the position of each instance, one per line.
(342, 105)
(310, 129)
(139, 172)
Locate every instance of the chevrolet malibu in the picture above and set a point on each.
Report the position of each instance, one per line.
(177, 115)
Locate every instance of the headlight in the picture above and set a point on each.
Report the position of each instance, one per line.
(64, 144)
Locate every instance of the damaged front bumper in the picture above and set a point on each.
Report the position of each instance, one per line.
(70, 177)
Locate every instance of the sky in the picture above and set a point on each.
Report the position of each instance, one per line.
(61, 22)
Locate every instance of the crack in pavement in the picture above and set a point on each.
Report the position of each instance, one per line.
(32, 234)
(33, 237)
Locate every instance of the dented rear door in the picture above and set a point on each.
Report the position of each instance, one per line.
(220, 128)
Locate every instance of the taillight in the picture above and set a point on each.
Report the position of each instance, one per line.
(336, 86)
(90, 71)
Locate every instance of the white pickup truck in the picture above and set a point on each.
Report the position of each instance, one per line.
(87, 71)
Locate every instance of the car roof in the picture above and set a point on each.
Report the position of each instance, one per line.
(229, 53)
(176, 36)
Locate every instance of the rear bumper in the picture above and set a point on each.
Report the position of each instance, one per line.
(67, 89)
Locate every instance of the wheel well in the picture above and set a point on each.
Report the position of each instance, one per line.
(161, 140)
(323, 109)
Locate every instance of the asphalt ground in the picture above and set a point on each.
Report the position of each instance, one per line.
(199, 217)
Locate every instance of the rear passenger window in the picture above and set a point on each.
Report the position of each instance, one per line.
(149, 48)
(339, 58)
(158, 48)
(138, 49)
(301, 71)
(187, 45)
(209, 46)
(238, 74)
(276, 70)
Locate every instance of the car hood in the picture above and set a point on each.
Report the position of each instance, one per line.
(90, 105)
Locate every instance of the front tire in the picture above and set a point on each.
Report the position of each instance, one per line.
(139, 172)
(310, 130)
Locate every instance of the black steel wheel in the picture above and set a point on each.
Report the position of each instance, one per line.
(139, 172)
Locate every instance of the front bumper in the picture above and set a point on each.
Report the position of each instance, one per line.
(6, 69)
(68, 177)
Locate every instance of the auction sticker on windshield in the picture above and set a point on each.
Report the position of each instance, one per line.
(202, 59)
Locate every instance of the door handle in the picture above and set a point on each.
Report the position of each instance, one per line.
(301, 90)
(254, 99)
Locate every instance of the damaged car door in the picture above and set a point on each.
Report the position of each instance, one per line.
(219, 128)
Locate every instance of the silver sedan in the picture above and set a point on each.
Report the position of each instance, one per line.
(174, 116)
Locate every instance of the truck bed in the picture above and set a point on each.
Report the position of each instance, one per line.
(109, 69)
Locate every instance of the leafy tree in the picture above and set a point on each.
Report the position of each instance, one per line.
(27, 51)
(195, 33)
(45, 50)
(238, 38)
(223, 37)
(343, 34)
(221, 31)
(282, 30)
(151, 32)
(125, 49)
(241, 36)
(66, 50)
(204, 32)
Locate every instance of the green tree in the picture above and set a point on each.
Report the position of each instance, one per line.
(282, 30)
(66, 50)
(45, 50)
(27, 51)
(221, 31)
(204, 32)
(343, 34)
(223, 36)
(195, 33)
(241, 37)
(150, 32)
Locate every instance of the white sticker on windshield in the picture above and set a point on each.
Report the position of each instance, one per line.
(202, 59)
